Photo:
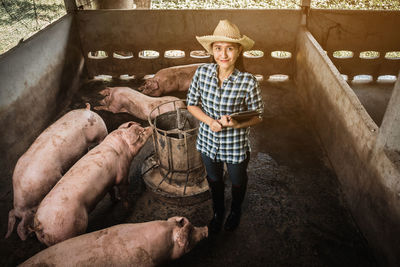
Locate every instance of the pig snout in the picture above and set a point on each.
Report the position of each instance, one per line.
(198, 234)
(151, 88)
(106, 92)
(187, 236)
(142, 87)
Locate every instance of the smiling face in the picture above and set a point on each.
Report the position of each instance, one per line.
(226, 54)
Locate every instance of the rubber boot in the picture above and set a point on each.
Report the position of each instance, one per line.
(233, 220)
(218, 199)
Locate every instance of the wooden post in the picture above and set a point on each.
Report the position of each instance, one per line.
(70, 6)
(305, 6)
(305, 3)
(142, 4)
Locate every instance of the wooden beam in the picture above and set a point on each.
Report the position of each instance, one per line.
(70, 6)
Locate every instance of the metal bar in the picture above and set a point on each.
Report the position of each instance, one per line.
(170, 159)
(181, 171)
(155, 140)
(187, 163)
(163, 179)
(178, 122)
(149, 169)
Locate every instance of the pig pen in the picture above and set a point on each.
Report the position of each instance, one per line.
(322, 187)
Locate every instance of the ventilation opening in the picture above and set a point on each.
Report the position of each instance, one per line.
(386, 79)
(126, 77)
(123, 55)
(98, 54)
(394, 55)
(259, 77)
(103, 77)
(149, 54)
(369, 55)
(362, 79)
(253, 54)
(281, 54)
(343, 54)
(278, 78)
(199, 54)
(174, 54)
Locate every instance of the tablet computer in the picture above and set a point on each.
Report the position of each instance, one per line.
(244, 115)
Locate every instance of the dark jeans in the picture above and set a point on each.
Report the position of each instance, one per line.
(237, 172)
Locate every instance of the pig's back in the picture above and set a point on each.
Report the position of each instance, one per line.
(64, 139)
(52, 153)
(120, 245)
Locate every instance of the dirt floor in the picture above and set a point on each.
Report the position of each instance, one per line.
(294, 213)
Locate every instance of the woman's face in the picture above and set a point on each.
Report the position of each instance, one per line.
(226, 54)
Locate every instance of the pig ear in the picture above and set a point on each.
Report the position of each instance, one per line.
(128, 124)
(180, 221)
(182, 236)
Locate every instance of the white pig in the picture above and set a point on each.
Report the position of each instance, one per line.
(47, 159)
(125, 99)
(63, 213)
(141, 244)
(172, 79)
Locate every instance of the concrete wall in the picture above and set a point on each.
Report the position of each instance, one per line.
(38, 77)
(161, 30)
(358, 30)
(369, 178)
(389, 137)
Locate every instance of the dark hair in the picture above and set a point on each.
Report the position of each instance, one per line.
(239, 63)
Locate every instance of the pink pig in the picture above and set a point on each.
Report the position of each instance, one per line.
(47, 159)
(177, 78)
(125, 99)
(63, 213)
(141, 244)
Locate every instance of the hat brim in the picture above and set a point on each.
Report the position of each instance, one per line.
(206, 41)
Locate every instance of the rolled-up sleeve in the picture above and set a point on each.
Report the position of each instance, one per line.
(253, 98)
(193, 96)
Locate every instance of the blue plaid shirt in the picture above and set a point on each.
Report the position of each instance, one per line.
(240, 92)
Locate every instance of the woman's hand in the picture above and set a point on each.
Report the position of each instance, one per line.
(199, 114)
(227, 121)
(215, 126)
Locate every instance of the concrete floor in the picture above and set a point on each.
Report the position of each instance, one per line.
(294, 213)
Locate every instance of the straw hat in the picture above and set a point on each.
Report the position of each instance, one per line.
(225, 31)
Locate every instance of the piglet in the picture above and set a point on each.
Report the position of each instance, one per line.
(172, 79)
(141, 244)
(125, 99)
(63, 213)
(47, 159)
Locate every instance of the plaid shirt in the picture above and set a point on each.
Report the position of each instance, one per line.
(240, 92)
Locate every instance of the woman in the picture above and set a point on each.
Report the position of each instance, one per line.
(217, 90)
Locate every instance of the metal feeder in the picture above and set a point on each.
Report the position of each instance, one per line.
(175, 171)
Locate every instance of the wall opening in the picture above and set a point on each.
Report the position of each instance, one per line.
(149, 54)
